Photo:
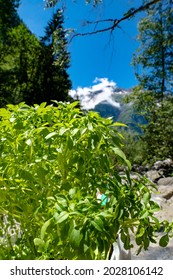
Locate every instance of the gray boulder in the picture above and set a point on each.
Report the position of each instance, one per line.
(153, 175)
(167, 163)
(165, 187)
(166, 191)
(168, 181)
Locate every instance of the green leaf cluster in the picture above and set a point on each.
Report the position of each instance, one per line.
(54, 159)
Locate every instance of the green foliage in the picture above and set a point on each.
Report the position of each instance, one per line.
(28, 71)
(53, 161)
(153, 96)
(158, 134)
(153, 59)
(19, 66)
(8, 17)
(134, 147)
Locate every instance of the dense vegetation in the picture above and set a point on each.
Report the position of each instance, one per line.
(54, 159)
(32, 70)
(153, 97)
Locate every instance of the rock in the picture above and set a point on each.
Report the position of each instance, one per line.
(157, 165)
(135, 176)
(166, 191)
(167, 163)
(166, 213)
(153, 175)
(140, 169)
(170, 201)
(165, 187)
(168, 181)
(158, 199)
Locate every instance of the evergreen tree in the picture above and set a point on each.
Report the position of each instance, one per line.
(153, 63)
(55, 61)
(31, 70)
(18, 66)
(8, 17)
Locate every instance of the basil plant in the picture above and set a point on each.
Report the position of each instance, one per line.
(54, 159)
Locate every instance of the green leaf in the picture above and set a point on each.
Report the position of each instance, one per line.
(74, 131)
(27, 175)
(83, 130)
(75, 237)
(50, 135)
(69, 143)
(90, 126)
(156, 222)
(146, 198)
(63, 130)
(139, 240)
(119, 124)
(41, 172)
(74, 104)
(139, 250)
(61, 200)
(164, 240)
(116, 211)
(43, 105)
(155, 207)
(98, 224)
(59, 150)
(29, 142)
(146, 242)
(144, 213)
(44, 228)
(120, 153)
(39, 242)
(61, 217)
(140, 232)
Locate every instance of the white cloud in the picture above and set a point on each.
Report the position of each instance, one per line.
(102, 91)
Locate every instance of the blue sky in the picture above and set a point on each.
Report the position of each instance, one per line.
(98, 56)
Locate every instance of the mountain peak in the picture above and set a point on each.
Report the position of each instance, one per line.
(103, 91)
(107, 99)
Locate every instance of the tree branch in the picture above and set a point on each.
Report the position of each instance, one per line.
(131, 13)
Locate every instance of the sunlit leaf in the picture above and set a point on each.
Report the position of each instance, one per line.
(50, 135)
(29, 142)
(39, 242)
(61, 217)
(44, 228)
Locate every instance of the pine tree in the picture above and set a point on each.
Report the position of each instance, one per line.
(31, 70)
(8, 17)
(55, 61)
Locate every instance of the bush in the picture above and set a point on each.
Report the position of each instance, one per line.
(134, 147)
(53, 161)
(158, 134)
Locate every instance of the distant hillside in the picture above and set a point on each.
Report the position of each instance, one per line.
(124, 113)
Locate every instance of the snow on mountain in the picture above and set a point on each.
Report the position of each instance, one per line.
(102, 92)
(107, 99)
